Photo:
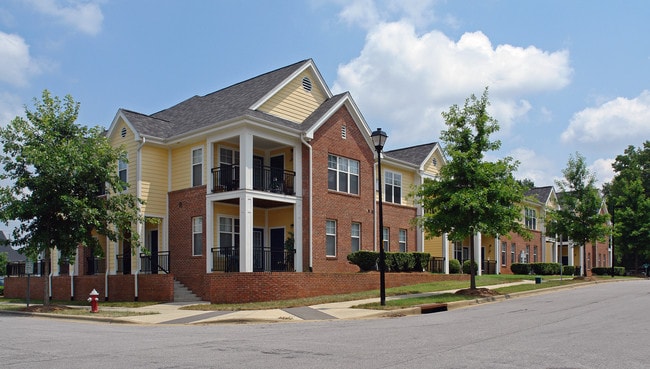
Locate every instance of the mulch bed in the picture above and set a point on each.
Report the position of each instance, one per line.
(477, 292)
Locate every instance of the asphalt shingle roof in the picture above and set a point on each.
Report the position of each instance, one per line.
(414, 155)
(199, 112)
(541, 194)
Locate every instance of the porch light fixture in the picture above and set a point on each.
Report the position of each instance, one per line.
(379, 139)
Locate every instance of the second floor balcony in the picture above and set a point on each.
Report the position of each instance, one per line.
(265, 178)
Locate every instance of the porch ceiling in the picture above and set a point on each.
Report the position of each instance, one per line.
(258, 203)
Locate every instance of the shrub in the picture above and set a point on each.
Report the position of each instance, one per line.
(545, 268)
(520, 268)
(454, 266)
(421, 260)
(466, 265)
(365, 260)
(568, 270)
(608, 271)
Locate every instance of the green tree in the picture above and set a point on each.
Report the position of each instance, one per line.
(579, 215)
(471, 194)
(4, 259)
(63, 182)
(628, 198)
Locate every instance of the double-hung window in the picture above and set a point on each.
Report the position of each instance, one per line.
(386, 239)
(504, 251)
(342, 174)
(513, 249)
(531, 218)
(393, 186)
(197, 236)
(355, 232)
(330, 234)
(228, 235)
(197, 167)
(122, 170)
(402, 240)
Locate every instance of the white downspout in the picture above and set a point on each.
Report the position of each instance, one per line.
(138, 192)
(311, 206)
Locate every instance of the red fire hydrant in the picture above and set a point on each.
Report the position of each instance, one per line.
(94, 301)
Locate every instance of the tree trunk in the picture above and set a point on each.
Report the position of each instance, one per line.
(46, 274)
(472, 273)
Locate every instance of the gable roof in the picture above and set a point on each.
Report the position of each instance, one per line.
(200, 112)
(12, 255)
(415, 155)
(541, 194)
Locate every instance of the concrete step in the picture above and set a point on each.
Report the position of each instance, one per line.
(184, 294)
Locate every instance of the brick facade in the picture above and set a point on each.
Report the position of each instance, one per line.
(253, 287)
(151, 287)
(331, 205)
(183, 206)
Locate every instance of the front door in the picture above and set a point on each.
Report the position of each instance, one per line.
(153, 249)
(277, 173)
(277, 249)
(258, 172)
(258, 250)
(126, 253)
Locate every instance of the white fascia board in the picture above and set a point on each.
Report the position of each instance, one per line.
(120, 114)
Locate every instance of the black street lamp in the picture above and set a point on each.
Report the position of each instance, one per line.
(379, 139)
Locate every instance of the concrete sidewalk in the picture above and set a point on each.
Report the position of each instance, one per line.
(171, 313)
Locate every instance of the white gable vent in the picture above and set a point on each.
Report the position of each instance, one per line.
(123, 132)
(344, 132)
(306, 84)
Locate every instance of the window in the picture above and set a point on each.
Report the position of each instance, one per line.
(402, 240)
(197, 236)
(122, 167)
(527, 256)
(228, 235)
(458, 251)
(513, 249)
(534, 254)
(393, 187)
(228, 156)
(355, 232)
(531, 218)
(504, 252)
(386, 239)
(330, 234)
(343, 174)
(197, 167)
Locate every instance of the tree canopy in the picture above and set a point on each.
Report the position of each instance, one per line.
(579, 215)
(63, 181)
(628, 197)
(471, 194)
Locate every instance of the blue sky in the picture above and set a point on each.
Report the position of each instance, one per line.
(564, 76)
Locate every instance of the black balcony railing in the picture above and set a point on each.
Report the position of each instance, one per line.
(95, 266)
(437, 265)
(153, 264)
(269, 179)
(226, 259)
(41, 267)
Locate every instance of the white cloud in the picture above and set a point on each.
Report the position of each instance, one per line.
(618, 121)
(85, 16)
(11, 106)
(602, 169)
(405, 80)
(534, 166)
(16, 65)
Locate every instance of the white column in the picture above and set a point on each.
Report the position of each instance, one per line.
(477, 252)
(209, 236)
(582, 259)
(569, 250)
(246, 232)
(297, 234)
(445, 253)
(497, 254)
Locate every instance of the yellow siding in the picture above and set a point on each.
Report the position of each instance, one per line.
(130, 145)
(433, 246)
(431, 169)
(293, 102)
(154, 180)
(182, 166)
(282, 217)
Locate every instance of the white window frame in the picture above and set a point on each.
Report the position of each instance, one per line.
(341, 166)
(403, 235)
(123, 167)
(197, 236)
(355, 235)
(195, 164)
(530, 216)
(232, 230)
(393, 187)
(330, 237)
(385, 238)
